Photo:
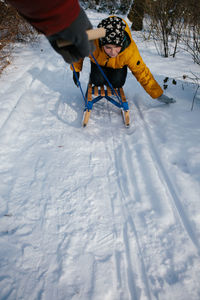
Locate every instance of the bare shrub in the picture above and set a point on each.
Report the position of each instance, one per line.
(191, 35)
(110, 6)
(165, 15)
(172, 21)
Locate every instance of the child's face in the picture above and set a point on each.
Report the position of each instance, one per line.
(112, 50)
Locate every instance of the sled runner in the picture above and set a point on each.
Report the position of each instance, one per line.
(116, 97)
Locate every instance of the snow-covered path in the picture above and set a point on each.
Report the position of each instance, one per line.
(102, 212)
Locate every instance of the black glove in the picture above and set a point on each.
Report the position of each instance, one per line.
(76, 34)
(74, 78)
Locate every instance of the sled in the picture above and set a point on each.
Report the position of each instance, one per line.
(96, 93)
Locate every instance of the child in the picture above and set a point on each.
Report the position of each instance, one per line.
(114, 53)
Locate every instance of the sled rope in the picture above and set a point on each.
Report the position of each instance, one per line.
(79, 84)
(106, 78)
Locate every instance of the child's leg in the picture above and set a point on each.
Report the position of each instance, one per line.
(117, 77)
(96, 76)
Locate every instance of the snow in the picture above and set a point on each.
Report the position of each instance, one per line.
(102, 212)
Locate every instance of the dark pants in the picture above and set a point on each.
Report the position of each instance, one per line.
(117, 77)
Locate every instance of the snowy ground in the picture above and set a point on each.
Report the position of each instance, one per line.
(104, 212)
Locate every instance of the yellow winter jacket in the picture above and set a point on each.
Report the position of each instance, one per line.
(129, 56)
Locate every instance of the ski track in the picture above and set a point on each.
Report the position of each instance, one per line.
(171, 202)
(66, 240)
(175, 201)
(132, 255)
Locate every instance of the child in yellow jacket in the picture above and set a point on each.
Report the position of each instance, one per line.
(115, 53)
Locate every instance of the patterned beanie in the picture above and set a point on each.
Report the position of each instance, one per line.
(115, 27)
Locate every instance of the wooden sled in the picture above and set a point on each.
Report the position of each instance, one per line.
(95, 93)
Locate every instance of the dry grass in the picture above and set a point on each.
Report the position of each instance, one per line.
(13, 28)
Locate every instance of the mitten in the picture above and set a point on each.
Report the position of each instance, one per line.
(76, 34)
(164, 99)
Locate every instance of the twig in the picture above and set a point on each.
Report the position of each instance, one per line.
(194, 97)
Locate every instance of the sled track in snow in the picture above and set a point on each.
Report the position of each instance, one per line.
(175, 202)
(134, 175)
(21, 98)
(130, 255)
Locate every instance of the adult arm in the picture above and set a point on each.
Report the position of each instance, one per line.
(59, 19)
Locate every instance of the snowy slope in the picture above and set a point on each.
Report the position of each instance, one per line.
(104, 212)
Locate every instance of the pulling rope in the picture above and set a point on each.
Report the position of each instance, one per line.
(79, 84)
(106, 78)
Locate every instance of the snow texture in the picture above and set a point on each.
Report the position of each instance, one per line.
(102, 212)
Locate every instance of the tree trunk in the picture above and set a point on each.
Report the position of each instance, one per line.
(136, 14)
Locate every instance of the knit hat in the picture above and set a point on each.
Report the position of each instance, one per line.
(115, 27)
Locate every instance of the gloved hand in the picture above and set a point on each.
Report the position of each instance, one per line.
(164, 99)
(74, 77)
(76, 34)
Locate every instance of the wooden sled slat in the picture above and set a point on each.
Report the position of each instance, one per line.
(109, 92)
(96, 91)
(102, 91)
(125, 113)
(87, 112)
(116, 91)
(123, 97)
(89, 95)
(126, 118)
(86, 117)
